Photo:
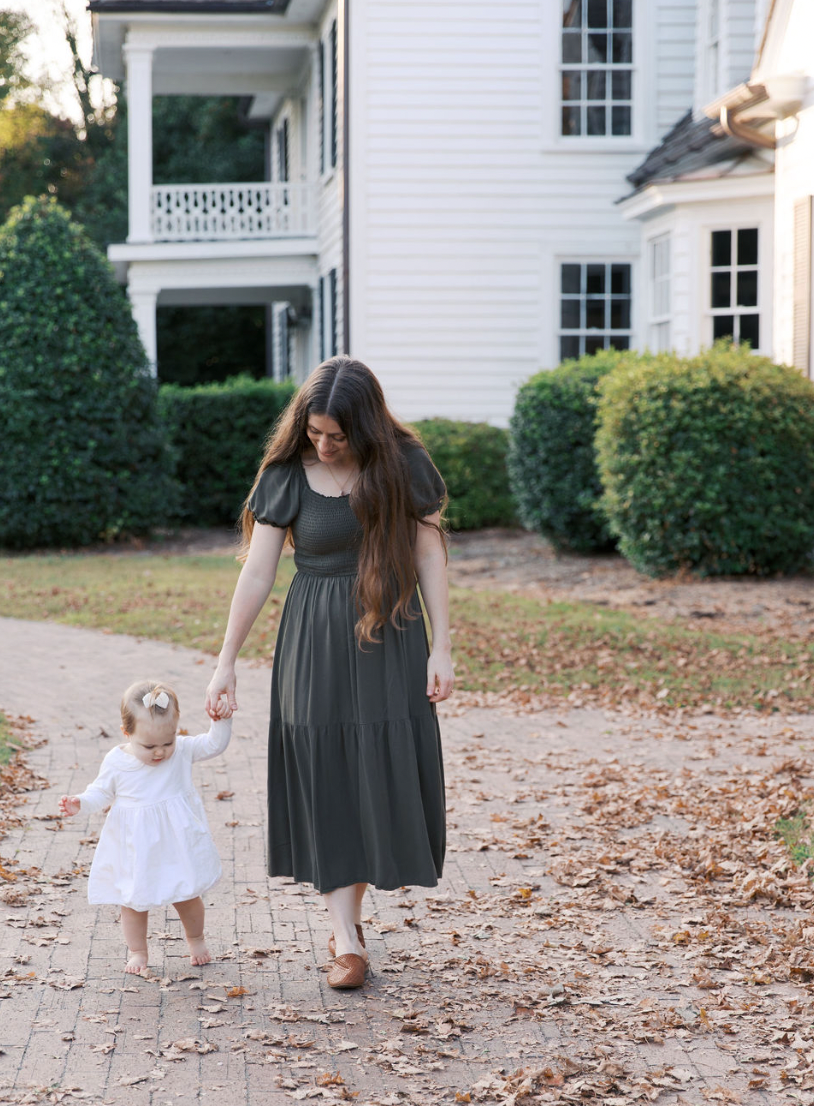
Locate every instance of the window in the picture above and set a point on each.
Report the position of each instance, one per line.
(283, 164)
(734, 285)
(328, 346)
(597, 67)
(660, 293)
(328, 104)
(595, 308)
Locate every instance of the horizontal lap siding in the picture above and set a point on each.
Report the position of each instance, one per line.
(675, 61)
(460, 208)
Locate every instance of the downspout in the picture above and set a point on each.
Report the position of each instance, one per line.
(344, 11)
(735, 129)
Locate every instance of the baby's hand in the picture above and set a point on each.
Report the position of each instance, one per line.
(221, 709)
(69, 804)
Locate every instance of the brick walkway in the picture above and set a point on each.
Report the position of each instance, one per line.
(469, 978)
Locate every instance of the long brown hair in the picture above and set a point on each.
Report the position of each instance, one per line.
(346, 391)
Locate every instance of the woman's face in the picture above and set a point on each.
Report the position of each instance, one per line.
(330, 443)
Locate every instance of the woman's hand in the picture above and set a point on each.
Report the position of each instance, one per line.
(440, 676)
(69, 805)
(222, 685)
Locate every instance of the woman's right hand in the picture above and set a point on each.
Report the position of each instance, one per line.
(221, 685)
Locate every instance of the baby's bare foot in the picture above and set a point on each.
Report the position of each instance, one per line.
(137, 962)
(198, 952)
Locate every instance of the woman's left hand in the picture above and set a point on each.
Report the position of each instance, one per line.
(440, 676)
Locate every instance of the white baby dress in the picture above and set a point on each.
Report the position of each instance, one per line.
(155, 847)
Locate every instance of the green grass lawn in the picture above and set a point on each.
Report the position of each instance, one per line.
(503, 643)
(8, 743)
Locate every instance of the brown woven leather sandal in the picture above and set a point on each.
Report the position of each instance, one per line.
(347, 972)
(332, 941)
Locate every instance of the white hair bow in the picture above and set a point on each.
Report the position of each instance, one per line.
(161, 699)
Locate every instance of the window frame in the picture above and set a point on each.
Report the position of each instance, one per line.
(660, 319)
(584, 332)
(737, 311)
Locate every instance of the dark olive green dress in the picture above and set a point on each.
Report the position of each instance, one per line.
(355, 775)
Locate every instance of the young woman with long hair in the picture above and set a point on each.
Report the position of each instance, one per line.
(355, 774)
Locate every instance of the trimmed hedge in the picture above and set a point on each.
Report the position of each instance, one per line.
(84, 455)
(471, 457)
(551, 461)
(219, 431)
(708, 463)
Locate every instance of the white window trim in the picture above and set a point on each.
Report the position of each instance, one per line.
(660, 319)
(761, 308)
(642, 136)
(593, 259)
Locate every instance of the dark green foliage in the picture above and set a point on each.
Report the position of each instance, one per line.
(84, 453)
(219, 431)
(203, 140)
(471, 457)
(551, 460)
(39, 154)
(708, 463)
(201, 345)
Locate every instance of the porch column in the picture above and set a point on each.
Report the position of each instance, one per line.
(139, 63)
(144, 307)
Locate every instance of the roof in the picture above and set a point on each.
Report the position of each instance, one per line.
(273, 7)
(691, 146)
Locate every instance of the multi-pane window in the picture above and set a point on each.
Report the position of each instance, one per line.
(660, 293)
(734, 285)
(328, 331)
(595, 308)
(328, 100)
(597, 67)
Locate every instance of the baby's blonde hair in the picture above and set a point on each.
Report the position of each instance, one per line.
(133, 706)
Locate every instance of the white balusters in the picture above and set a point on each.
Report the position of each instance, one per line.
(207, 212)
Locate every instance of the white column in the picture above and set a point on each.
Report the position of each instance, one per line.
(144, 306)
(139, 63)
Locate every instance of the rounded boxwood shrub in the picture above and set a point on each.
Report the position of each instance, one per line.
(218, 431)
(551, 461)
(708, 463)
(84, 453)
(471, 457)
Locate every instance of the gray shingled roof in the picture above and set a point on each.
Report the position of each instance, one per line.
(275, 7)
(690, 146)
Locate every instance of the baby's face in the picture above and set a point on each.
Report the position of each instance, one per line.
(152, 740)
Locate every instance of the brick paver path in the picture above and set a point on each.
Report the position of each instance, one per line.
(490, 974)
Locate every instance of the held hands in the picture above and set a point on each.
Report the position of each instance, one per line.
(220, 695)
(440, 676)
(69, 805)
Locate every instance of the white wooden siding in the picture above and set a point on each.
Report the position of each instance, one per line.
(330, 188)
(675, 61)
(460, 210)
(738, 41)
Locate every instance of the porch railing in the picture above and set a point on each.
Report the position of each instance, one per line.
(210, 212)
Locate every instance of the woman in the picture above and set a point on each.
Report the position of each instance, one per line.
(355, 775)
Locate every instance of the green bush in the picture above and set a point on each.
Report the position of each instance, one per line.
(551, 461)
(218, 431)
(471, 457)
(84, 455)
(708, 463)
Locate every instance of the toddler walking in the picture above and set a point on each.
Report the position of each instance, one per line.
(155, 847)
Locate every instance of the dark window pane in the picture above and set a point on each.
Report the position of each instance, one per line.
(569, 347)
(596, 121)
(597, 13)
(620, 315)
(620, 341)
(570, 121)
(620, 85)
(595, 280)
(595, 314)
(747, 288)
(721, 290)
(620, 280)
(623, 47)
(750, 330)
(620, 120)
(598, 48)
(569, 275)
(569, 314)
(747, 247)
(722, 247)
(572, 13)
(593, 343)
(571, 47)
(572, 84)
(622, 13)
(596, 84)
(722, 327)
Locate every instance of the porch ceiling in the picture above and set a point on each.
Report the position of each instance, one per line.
(228, 72)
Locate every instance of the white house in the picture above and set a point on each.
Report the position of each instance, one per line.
(463, 193)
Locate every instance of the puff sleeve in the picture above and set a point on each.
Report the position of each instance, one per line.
(427, 486)
(276, 499)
